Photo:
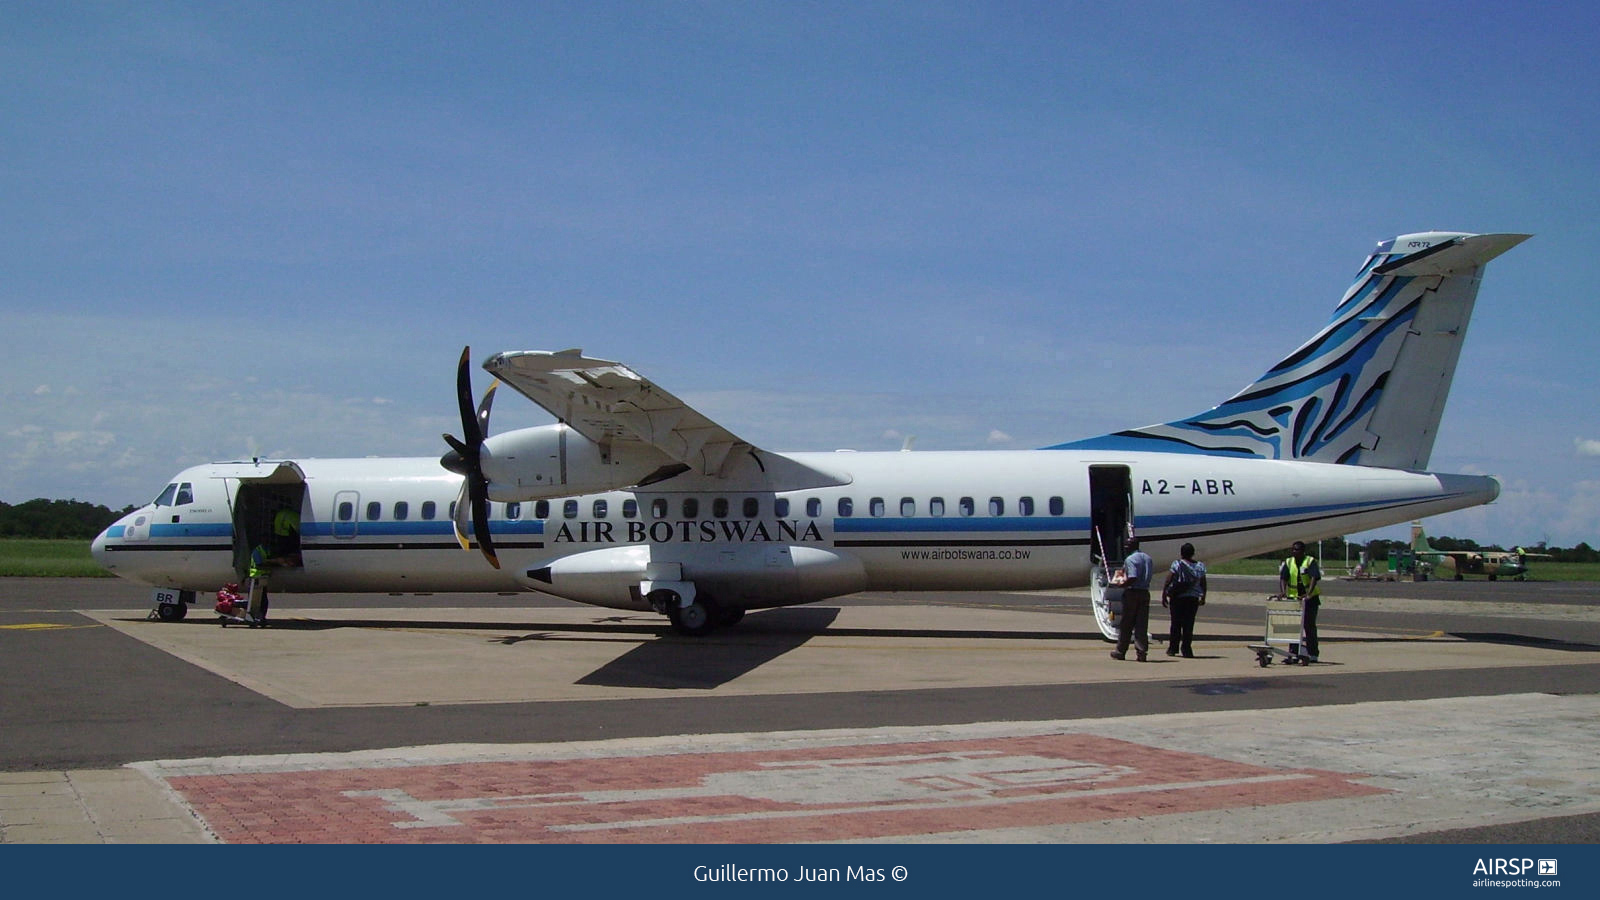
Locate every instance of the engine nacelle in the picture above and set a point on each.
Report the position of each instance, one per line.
(555, 461)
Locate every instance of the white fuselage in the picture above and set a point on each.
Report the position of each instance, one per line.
(1013, 520)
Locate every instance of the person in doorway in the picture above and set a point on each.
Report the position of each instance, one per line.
(1134, 625)
(1300, 578)
(286, 536)
(1183, 594)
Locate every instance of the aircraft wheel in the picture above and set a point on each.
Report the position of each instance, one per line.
(1492, 577)
(172, 612)
(694, 620)
(732, 616)
(1460, 577)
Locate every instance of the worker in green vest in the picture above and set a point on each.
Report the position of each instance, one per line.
(286, 536)
(260, 572)
(1300, 578)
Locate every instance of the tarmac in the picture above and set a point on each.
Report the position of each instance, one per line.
(989, 718)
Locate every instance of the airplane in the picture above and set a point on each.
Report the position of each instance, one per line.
(1494, 563)
(633, 500)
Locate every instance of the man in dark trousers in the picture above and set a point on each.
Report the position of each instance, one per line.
(1300, 578)
(1184, 593)
(1134, 625)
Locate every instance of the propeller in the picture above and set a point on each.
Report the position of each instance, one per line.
(466, 459)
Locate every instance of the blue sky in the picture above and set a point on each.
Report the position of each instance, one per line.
(270, 228)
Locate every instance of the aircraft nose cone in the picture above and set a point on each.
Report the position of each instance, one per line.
(98, 550)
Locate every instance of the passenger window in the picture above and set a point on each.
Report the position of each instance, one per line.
(601, 508)
(1057, 506)
(166, 496)
(780, 507)
(569, 509)
(452, 509)
(347, 511)
(374, 511)
(691, 508)
(997, 506)
(967, 506)
(813, 507)
(185, 494)
(875, 507)
(1025, 506)
(513, 510)
(429, 510)
(658, 508)
(401, 510)
(719, 507)
(752, 507)
(846, 507)
(630, 509)
(541, 509)
(908, 507)
(936, 506)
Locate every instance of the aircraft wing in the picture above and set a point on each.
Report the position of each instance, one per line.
(606, 402)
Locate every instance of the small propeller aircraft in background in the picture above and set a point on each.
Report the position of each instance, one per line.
(1496, 564)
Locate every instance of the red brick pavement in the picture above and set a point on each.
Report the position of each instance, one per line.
(818, 793)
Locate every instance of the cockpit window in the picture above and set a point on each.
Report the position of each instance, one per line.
(166, 496)
(185, 494)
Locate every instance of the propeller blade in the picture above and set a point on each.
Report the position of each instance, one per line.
(459, 515)
(480, 522)
(466, 459)
(483, 408)
(471, 434)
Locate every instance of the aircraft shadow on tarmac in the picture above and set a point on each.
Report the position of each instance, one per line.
(676, 662)
(1523, 640)
(704, 663)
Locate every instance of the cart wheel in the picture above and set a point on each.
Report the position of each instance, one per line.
(1263, 661)
(1305, 660)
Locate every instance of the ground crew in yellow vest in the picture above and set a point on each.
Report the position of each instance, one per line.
(1300, 578)
(259, 572)
(286, 536)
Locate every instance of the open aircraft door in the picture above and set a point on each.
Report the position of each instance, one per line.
(1110, 526)
(268, 500)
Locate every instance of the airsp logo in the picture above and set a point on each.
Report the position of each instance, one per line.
(1509, 866)
(1547, 868)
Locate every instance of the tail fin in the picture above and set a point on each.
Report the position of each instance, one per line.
(1369, 388)
(1419, 541)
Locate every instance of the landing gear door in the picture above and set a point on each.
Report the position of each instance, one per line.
(1111, 524)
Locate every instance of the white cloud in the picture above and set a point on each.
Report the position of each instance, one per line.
(1586, 446)
(999, 437)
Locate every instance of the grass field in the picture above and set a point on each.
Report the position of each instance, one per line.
(52, 559)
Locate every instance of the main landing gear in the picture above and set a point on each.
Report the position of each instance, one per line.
(699, 617)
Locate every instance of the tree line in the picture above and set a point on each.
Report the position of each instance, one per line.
(56, 519)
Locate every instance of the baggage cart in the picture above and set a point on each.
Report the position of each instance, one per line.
(1282, 632)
